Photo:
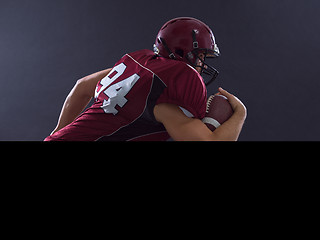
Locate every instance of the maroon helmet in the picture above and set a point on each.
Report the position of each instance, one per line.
(184, 39)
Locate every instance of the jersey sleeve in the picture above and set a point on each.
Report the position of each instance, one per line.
(187, 90)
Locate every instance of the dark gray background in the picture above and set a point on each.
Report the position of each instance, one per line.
(270, 57)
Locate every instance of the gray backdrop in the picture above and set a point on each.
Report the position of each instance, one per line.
(270, 53)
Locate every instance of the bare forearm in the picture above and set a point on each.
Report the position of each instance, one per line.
(230, 130)
(182, 128)
(78, 98)
(72, 107)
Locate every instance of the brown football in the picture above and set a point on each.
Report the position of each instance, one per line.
(218, 111)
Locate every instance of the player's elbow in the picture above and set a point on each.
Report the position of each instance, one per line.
(83, 89)
(80, 83)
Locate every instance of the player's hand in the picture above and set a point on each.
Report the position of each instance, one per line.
(237, 105)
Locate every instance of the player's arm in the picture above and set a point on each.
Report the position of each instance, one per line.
(182, 128)
(78, 98)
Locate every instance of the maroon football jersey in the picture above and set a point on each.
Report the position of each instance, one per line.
(125, 98)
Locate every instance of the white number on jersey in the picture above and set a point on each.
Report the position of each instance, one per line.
(116, 92)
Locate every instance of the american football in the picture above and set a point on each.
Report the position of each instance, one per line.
(218, 111)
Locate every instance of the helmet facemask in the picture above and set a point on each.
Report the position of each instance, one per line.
(198, 59)
(199, 56)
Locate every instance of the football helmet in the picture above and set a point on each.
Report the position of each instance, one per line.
(189, 40)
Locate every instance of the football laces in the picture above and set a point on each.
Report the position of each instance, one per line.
(209, 102)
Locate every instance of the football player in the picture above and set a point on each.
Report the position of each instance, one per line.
(151, 95)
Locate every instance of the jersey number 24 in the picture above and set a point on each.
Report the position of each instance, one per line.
(115, 92)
